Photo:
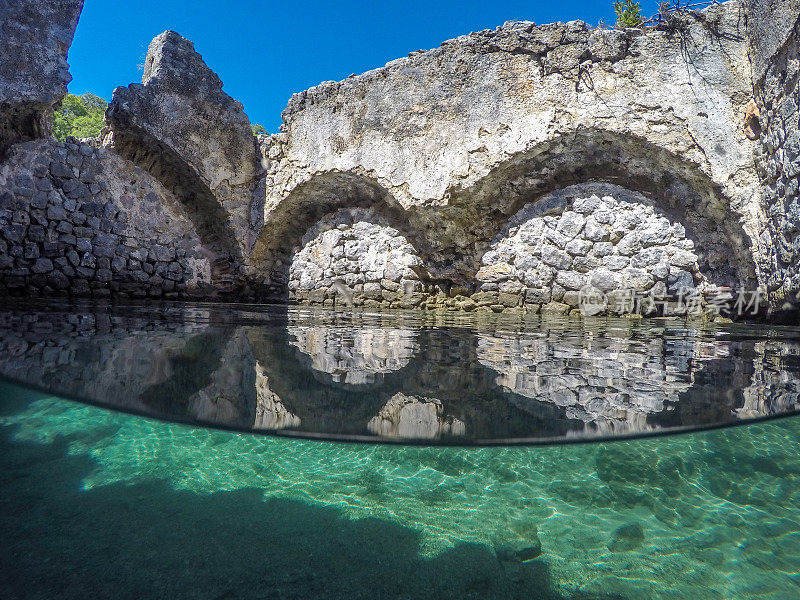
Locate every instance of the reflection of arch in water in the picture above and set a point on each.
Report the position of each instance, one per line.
(415, 418)
(353, 356)
(632, 382)
(445, 365)
(270, 413)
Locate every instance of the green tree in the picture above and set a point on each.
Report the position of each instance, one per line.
(79, 116)
(257, 129)
(629, 13)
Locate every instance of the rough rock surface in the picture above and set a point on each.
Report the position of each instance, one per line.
(770, 23)
(353, 258)
(776, 51)
(454, 141)
(442, 180)
(181, 126)
(594, 238)
(33, 65)
(82, 221)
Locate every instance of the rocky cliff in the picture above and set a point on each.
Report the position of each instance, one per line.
(775, 54)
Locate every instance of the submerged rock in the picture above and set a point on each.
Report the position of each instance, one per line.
(626, 537)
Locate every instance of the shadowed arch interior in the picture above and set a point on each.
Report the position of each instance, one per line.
(325, 194)
(473, 216)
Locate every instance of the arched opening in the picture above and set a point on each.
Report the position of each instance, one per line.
(338, 237)
(607, 239)
(677, 188)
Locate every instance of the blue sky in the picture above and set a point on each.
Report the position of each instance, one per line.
(266, 51)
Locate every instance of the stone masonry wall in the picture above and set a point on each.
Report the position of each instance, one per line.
(80, 221)
(779, 167)
(353, 257)
(437, 181)
(598, 238)
(457, 139)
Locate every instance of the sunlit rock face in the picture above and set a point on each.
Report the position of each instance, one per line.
(459, 138)
(353, 257)
(602, 239)
(415, 418)
(181, 126)
(270, 411)
(611, 384)
(354, 356)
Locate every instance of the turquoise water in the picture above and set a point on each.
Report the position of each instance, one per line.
(98, 504)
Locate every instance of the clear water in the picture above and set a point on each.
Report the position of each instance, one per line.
(99, 504)
(99, 499)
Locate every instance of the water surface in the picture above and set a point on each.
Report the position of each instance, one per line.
(156, 479)
(429, 378)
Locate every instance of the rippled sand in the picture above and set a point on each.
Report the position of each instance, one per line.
(96, 502)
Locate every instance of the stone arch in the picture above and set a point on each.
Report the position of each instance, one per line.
(288, 225)
(203, 208)
(680, 188)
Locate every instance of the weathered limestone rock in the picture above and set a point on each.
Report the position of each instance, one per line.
(181, 126)
(35, 35)
(770, 24)
(618, 241)
(452, 164)
(454, 141)
(351, 258)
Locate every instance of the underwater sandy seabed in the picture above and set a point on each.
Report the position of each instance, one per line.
(97, 504)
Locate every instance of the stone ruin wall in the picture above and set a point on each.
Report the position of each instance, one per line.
(81, 221)
(775, 53)
(438, 181)
(447, 157)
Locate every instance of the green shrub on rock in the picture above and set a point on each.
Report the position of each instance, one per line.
(629, 13)
(79, 116)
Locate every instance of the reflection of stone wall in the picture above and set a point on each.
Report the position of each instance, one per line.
(270, 411)
(599, 237)
(353, 258)
(775, 387)
(415, 418)
(552, 378)
(171, 369)
(354, 355)
(81, 221)
(613, 384)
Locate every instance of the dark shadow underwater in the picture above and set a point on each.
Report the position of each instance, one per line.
(149, 540)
